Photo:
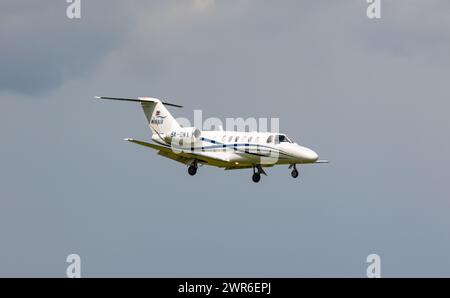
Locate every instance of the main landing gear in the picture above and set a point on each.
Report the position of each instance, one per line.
(257, 171)
(192, 170)
(256, 177)
(294, 172)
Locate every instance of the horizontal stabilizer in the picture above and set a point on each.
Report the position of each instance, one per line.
(139, 99)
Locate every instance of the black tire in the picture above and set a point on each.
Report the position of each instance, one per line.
(256, 177)
(294, 173)
(192, 170)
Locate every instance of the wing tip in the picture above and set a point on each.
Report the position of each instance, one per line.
(322, 161)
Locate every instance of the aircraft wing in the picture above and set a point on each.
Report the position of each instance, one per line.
(321, 161)
(183, 157)
(154, 146)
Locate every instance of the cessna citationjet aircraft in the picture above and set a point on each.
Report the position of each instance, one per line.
(225, 149)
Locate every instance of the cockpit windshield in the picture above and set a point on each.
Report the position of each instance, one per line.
(282, 138)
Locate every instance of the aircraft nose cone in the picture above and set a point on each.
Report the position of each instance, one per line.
(309, 155)
(302, 154)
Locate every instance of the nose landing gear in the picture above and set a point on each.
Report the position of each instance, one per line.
(294, 172)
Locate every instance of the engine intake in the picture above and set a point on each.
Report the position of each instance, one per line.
(184, 137)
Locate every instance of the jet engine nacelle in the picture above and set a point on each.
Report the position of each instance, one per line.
(183, 137)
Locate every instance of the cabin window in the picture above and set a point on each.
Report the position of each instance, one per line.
(224, 138)
(250, 139)
(237, 139)
(269, 139)
(230, 139)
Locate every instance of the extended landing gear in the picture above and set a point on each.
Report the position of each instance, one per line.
(256, 177)
(294, 172)
(192, 170)
(257, 171)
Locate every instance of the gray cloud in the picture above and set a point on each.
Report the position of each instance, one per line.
(42, 48)
(371, 96)
(413, 31)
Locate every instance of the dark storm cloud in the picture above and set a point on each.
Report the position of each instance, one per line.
(41, 48)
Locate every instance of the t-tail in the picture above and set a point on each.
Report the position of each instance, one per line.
(160, 121)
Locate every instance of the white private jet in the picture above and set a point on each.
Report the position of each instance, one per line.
(225, 149)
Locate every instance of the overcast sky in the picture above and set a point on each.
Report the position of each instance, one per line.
(372, 96)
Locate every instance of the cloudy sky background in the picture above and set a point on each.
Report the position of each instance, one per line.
(369, 95)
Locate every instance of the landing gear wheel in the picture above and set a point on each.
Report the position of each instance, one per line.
(256, 177)
(294, 173)
(192, 170)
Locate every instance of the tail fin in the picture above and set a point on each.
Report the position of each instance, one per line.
(159, 119)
